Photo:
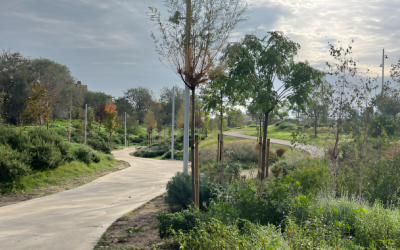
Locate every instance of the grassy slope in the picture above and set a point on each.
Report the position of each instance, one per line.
(63, 174)
(323, 139)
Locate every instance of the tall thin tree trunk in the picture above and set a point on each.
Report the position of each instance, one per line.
(192, 146)
(315, 125)
(69, 121)
(264, 171)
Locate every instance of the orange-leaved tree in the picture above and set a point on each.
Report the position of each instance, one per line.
(110, 122)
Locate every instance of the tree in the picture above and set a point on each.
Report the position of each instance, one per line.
(254, 65)
(189, 49)
(16, 75)
(47, 71)
(235, 118)
(166, 101)
(389, 105)
(318, 103)
(39, 103)
(151, 123)
(139, 98)
(111, 123)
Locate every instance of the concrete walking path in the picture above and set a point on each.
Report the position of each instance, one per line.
(314, 151)
(75, 219)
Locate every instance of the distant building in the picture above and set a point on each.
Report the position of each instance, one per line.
(79, 84)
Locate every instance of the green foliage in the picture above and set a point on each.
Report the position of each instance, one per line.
(86, 155)
(179, 191)
(307, 125)
(287, 126)
(382, 126)
(13, 164)
(181, 221)
(99, 145)
(252, 125)
(242, 235)
(24, 152)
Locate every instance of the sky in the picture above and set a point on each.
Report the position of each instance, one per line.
(107, 45)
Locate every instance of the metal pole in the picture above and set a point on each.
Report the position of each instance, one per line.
(173, 123)
(125, 131)
(186, 132)
(383, 69)
(85, 121)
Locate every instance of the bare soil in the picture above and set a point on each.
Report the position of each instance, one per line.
(144, 220)
(66, 184)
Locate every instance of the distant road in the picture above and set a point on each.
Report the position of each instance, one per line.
(75, 219)
(314, 151)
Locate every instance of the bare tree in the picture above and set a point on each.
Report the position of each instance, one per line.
(189, 49)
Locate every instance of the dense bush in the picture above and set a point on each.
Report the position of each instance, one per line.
(382, 126)
(287, 126)
(179, 191)
(181, 221)
(86, 155)
(13, 164)
(99, 145)
(307, 125)
(252, 125)
(35, 150)
(239, 151)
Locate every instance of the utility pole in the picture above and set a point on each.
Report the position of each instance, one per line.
(85, 121)
(173, 123)
(125, 131)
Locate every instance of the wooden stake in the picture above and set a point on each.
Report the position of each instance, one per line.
(267, 160)
(222, 148)
(196, 172)
(218, 150)
(259, 157)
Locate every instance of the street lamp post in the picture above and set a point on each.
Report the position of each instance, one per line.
(173, 123)
(125, 132)
(85, 121)
(383, 69)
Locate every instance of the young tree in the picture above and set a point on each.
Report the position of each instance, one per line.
(151, 122)
(111, 123)
(318, 103)
(39, 104)
(189, 49)
(255, 64)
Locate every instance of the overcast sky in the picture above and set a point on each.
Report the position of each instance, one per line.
(107, 45)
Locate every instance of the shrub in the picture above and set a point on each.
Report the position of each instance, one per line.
(252, 125)
(287, 126)
(281, 151)
(382, 125)
(99, 145)
(13, 164)
(185, 221)
(307, 125)
(278, 123)
(86, 155)
(214, 234)
(286, 166)
(243, 152)
(179, 191)
(207, 155)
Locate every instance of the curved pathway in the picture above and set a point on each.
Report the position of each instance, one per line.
(314, 151)
(75, 219)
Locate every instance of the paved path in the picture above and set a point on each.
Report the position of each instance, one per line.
(75, 219)
(314, 151)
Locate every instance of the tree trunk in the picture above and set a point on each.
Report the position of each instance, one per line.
(69, 121)
(264, 172)
(192, 146)
(220, 137)
(315, 125)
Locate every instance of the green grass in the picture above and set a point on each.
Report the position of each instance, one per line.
(323, 140)
(64, 172)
